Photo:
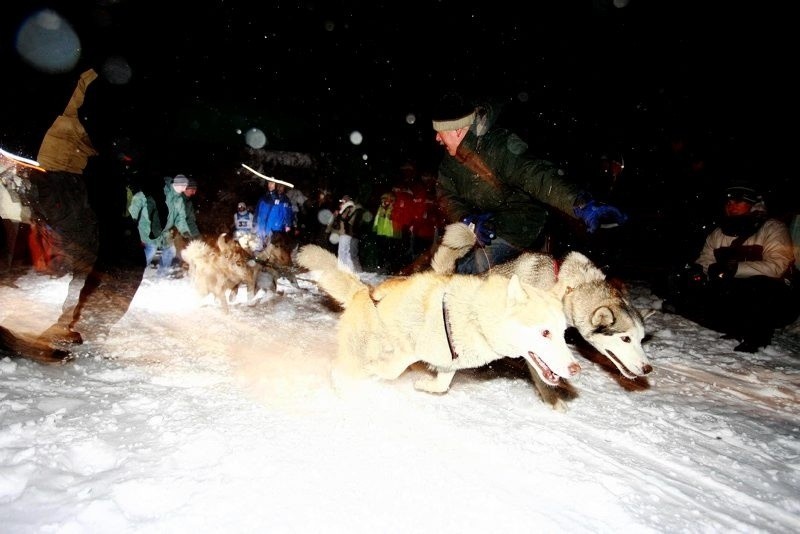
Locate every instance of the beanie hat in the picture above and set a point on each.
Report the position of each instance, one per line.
(191, 183)
(346, 202)
(742, 191)
(180, 179)
(242, 205)
(452, 113)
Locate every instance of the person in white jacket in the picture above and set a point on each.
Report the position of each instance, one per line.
(745, 289)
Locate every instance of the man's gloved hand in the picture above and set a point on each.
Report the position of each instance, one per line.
(594, 213)
(695, 276)
(481, 225)
(722, 270)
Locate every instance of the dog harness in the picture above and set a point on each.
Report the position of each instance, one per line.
(446, 319)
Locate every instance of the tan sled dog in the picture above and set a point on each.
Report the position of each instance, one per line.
(599, 311)
(219, 270)
(449, 322)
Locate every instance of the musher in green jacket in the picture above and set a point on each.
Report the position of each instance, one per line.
(490, 180)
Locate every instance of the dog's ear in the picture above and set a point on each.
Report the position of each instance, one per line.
(602, 316)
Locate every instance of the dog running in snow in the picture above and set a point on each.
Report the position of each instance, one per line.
(598, 310)
(220, 270)
(447, 321)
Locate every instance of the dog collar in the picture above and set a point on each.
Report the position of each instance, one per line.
(446, 319)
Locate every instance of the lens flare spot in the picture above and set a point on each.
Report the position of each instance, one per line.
(255, 138)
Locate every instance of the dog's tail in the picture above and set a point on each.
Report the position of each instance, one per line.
(343, 285)
(362, 339)
(194, 250)
(457, 241)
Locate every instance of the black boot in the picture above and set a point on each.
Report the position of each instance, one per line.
(669, 307)
(751, 343)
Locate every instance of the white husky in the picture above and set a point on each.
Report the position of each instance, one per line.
(448, 322)
(599, 311)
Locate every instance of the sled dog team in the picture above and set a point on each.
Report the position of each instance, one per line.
(450, 322)
(518, 309)
(219, 269)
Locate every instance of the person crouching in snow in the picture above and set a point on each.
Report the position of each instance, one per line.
(741, 283)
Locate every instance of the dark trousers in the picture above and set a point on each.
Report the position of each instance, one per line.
(746, 308)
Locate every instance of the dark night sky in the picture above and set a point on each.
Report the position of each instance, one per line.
(581, 76)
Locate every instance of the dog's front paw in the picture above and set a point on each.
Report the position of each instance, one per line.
(381, 369)
(438, 384)
(559, 405)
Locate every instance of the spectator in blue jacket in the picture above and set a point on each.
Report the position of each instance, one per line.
(281, 216)
(274, 212)
(263, 209)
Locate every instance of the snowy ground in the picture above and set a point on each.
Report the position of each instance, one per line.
(175, 417)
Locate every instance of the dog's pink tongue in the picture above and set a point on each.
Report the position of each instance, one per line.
(547, 373)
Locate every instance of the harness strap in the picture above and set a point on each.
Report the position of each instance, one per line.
(447, 331)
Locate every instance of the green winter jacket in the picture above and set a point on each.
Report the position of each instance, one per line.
(176, 215)
(142, 209)
(493, 172)
(191, 217)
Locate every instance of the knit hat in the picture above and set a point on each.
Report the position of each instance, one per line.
(242, 205)
(180, 179)
(452, 113)
(346, 202)
(742, 191)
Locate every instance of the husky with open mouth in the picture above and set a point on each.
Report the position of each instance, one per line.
(449, 322)
(599, 311)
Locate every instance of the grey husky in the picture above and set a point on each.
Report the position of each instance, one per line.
(599, 311)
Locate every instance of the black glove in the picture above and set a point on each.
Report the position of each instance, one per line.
(481, 225)
(594, 213)
(695, 277)
(722, 271)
